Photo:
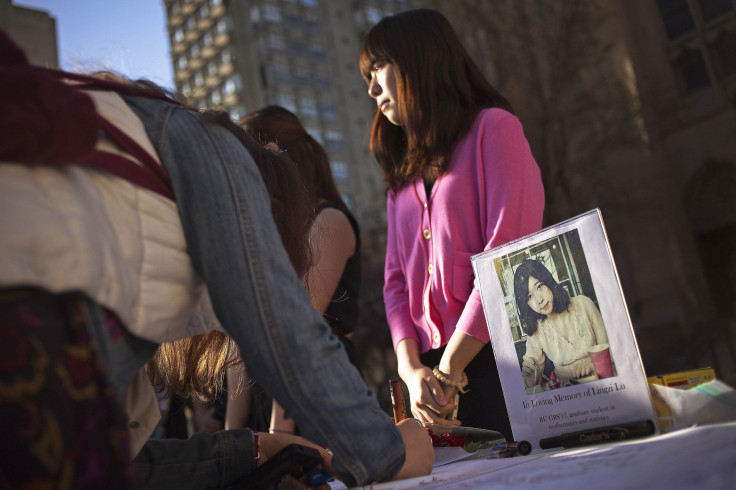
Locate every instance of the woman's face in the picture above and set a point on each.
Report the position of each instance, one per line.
(540, 298)
(382, 87)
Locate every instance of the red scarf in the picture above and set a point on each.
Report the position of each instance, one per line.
(44, 120)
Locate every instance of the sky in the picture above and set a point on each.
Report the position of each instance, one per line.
(126, 36)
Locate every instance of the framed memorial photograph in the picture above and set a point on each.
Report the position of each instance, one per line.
(561, 334)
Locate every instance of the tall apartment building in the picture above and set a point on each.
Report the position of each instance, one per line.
(242, 55)
(34, 30)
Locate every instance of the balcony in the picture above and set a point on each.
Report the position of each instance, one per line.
(225, 70)
(222, 39)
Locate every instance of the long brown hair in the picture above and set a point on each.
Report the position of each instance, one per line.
(440, 91)
(195, 366)
(281, 126)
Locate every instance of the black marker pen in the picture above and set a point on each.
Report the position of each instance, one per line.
(596, 436)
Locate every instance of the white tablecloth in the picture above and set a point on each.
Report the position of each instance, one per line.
(694, 458)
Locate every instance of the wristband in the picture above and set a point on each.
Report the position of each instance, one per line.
(460, 385)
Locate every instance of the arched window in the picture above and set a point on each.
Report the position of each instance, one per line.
(677, 17)
(692, 70)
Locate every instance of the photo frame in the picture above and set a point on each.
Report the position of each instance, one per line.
(561, 334)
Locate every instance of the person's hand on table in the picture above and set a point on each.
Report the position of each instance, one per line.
(417, 443)
(270, 444)
(429, 401)
(445, 416)
(419, 450)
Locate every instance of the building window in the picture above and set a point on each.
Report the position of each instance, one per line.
(190, 24)
(194, 51)
(328, 111)
(323, 81)
(237, 112)
(292, 20)
(221, 27)
(271, 13)
(373, 15)
(723, 53)
(211, 69)
(181, 63)
(178, 35)
(302, 78)
(174, 9)
(287, 102)
(225, 57)
(339, 171)
(677, 17)
(297, 48)
(712, 9)
(333, 140)
(207, 39)
(215, 97)
(280, 73)
(202, 12)
(308, 107)
(703, 53)
(309, 3)
(255, 15)
(317, 51)
(316, 134)
(276, 42)
(215, 3)
(231, 85)
(693, 72)
(198, 79)
(185, 88)
(312, 24)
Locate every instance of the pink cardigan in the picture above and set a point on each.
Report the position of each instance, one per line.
(491, 193)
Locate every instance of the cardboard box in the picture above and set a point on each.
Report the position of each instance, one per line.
(684, 380)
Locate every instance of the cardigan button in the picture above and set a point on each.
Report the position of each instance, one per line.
(436, 337)
(427, 234)
(430, 268)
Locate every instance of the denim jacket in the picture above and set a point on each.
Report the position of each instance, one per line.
(235, 247)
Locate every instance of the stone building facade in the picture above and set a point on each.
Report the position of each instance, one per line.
(630, 106)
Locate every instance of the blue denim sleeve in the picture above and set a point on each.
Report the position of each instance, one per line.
(288, 348)
(203, 461)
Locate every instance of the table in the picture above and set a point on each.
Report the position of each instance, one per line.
(692, 458)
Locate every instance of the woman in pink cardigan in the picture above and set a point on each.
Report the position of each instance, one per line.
(461, 179)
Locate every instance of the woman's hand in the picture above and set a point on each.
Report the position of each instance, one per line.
(583, 369)
(580, 368)
(429, 401)
(418, 444)
(531, 373)
(427, 395)
(419, 450)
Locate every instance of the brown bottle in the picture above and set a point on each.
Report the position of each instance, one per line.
(397, 399)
